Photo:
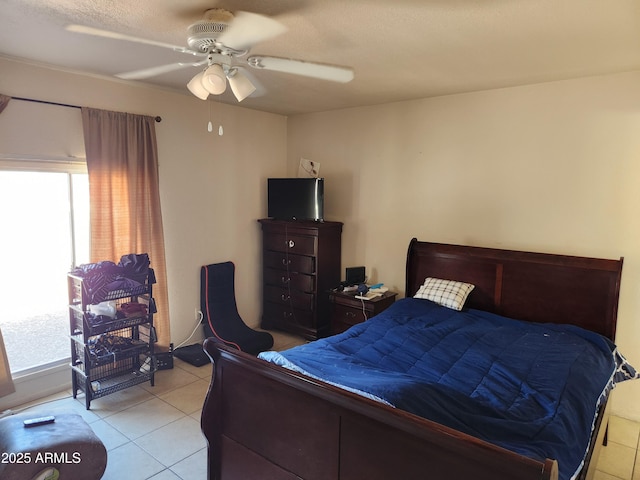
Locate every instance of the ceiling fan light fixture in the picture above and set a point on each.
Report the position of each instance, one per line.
(240, 85)
(196, 87)
(214, 80)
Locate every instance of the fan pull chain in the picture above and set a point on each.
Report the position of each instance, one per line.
(210, 124)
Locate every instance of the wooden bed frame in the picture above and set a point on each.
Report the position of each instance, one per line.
(265, 422)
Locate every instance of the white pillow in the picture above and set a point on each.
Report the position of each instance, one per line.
(447, 293)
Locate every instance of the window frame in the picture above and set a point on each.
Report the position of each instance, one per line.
(43, 163)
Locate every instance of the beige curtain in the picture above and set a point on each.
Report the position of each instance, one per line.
(122, 162)
(4, 101)
(6, 383)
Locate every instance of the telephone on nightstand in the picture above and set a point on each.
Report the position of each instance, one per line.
(369, 293)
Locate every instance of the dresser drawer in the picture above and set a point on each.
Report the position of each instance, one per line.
(283, 278)
(349, 316)
(282, 315)
(293, 298)
(299, 244)
(347, 311)
(290, 262)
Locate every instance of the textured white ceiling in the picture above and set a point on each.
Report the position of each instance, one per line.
(401, 49)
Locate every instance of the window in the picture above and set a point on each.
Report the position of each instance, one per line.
(45, 219)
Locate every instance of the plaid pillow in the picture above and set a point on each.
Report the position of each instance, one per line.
(447, 293)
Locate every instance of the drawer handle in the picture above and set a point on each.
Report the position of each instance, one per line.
(287, 315)
(350, 314)
(286, 279)
(291, 243)
(285, 297)
(286, 262)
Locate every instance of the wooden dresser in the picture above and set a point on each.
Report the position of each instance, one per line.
(301, 263)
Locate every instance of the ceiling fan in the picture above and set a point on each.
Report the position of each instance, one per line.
(224, 40)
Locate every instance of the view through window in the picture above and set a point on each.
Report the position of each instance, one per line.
(45, 219)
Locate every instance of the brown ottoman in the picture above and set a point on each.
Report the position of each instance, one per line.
(67, 445)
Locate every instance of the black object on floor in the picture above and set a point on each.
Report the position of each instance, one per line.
(220, 312)
(193, 354)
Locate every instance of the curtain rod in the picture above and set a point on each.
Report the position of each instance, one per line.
(158, 118)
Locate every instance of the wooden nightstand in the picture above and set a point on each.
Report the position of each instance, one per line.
(346, 310)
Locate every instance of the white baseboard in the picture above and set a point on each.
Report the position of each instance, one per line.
(35, 385)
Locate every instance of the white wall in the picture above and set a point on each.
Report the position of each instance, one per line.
(213, 188)
(553, 168)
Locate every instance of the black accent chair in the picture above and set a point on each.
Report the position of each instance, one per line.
(220, 312)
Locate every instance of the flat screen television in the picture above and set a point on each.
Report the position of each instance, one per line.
(295, 198)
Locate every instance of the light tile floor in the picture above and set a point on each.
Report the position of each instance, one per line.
(620, 459)
(154, 432)
(150, 432)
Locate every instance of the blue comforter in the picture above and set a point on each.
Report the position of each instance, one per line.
(530, 388)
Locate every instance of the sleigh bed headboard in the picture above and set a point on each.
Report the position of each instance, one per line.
(537, 287)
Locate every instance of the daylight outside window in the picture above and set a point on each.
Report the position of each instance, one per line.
(45, 219)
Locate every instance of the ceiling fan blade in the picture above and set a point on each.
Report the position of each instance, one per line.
(332, 73)
(153, 71)
(97, 32)
(248, 28)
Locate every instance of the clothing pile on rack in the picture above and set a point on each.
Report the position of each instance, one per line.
(102, 278)
(108, 344)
